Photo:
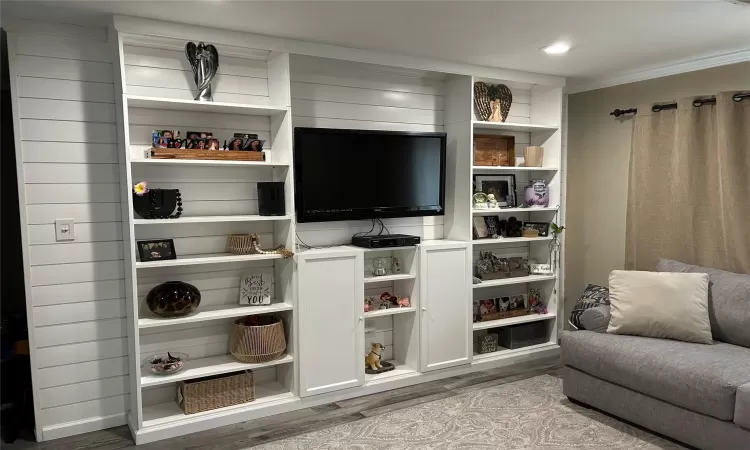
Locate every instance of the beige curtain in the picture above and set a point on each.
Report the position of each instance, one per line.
(689, 188)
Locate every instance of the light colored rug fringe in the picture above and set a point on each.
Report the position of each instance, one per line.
(530, 414)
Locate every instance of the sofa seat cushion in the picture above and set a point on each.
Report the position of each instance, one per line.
(701, 378)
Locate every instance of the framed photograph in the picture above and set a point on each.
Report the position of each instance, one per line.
(253, 145)
(493, 226)
(480, 228)
(162, 138)
(541, 227)
(156, 250)
(503, 303)
(235, 144)
(200, 134)
(256, 288)
(487, 306)
(196, 144)
(503, 187)
(213, 144)
(518, 302)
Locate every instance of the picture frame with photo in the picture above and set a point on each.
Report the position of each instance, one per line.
(503, 187)
(164, 138)
(519, 302)
(493, 226)
(541, 227)
(480, 228)
(235, 144)
(159, 250)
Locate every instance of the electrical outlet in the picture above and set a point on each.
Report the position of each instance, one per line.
(65, 230)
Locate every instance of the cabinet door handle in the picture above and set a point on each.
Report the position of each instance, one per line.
(424, 309)
(361, 318)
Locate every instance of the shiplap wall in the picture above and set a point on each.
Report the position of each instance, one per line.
(65, 91)
(340, 94)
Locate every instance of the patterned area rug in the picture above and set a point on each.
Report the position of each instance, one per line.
(530, 414)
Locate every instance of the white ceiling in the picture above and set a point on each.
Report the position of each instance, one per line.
(611, 37)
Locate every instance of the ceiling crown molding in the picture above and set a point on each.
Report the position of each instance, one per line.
(705, 62)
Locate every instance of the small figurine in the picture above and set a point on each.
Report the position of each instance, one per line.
(395, 265)
(491, 201)
(372, 360)
(535, 301)
(385, 305)
(403, 302)
(480, 200)
(368, 304)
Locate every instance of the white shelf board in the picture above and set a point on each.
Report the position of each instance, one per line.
(391, 277)
(166, 414)
(388, 312)
(141, 101)
(513, 169)
(513, 321)
(213, 313)
(191, 260)
(508, 126)
(206, 163)
(506, 353)
(511, 240)
(210, 219)
(495, 211)
(400, 371)
(205, 367)
(514, 280)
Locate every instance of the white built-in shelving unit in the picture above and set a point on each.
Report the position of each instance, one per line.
(319, 293)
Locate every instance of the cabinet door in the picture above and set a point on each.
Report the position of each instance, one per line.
(331, 321)
(445, 296)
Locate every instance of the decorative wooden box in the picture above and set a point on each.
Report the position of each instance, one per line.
(220, 155)
(494, 150)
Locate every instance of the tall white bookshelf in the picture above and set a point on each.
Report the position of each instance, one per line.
(219, 198)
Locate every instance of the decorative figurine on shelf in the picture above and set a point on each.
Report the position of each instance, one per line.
(379, 267)
(385, 305)
(535, 301)
(204, 59)
(373, 363)
(480, 200)
(493, 101)
(386, 297)
(491, 201)
(404, 302)
(368, 304)
(395, 265)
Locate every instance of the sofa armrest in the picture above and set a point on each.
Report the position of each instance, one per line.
(596, 319)
(742, 406)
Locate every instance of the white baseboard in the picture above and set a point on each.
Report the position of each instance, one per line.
(82, 426)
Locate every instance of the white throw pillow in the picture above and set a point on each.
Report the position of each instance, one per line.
(660, 305)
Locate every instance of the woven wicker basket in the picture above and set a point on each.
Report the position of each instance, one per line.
(240, 244)
(257, 344)
(205, 394)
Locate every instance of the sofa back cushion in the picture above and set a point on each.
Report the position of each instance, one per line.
(660, 305)
(728, 301)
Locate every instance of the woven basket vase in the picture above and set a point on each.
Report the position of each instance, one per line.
(257, 344)
(216, 392)
(240, 244)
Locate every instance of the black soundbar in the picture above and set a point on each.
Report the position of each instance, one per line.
(385, 241)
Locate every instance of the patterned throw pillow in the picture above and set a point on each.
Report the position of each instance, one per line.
(592, 296)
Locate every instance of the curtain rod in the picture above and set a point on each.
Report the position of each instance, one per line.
(697, 102)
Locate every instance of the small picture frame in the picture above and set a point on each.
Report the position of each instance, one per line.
(213, 144)
(197, 144)
(503, 303)
(480, 228)
(163, 138)
(493, 226)
(199, 135)
(540, 269)
(256, 287)
(156, 250)
(253, 145)
(487, 306)
(518, 302)
(235, 144)
(541, 227)
(503, 187)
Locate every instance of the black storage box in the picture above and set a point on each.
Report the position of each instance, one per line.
(522, 335)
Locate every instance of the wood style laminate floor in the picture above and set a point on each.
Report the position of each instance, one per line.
(248, 434)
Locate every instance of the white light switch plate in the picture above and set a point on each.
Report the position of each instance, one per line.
(65, 230)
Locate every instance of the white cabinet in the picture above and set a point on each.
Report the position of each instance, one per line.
(331, 321)
(445, 297)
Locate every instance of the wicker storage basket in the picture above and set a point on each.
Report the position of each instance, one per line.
(257, 343)
(240, 244)
(205, 394)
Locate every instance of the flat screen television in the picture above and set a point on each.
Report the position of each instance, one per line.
(367, 174)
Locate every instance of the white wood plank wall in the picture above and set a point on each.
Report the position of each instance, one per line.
(66, 106)
(339, 94)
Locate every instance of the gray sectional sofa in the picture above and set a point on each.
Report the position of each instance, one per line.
(695, 393)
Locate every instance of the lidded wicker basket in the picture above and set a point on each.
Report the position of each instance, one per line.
(258, 343)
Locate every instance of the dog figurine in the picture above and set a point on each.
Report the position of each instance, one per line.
(372, 360)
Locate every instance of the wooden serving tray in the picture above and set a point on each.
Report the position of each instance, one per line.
(229, 155)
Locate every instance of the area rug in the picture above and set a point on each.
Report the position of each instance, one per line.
(530, 414)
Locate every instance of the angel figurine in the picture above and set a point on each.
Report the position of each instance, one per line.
(204, 59)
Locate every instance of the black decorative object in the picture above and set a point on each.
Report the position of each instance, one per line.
(513, 228)
(387, 367)
(158, 204)
(492, 101)
(173, 299)
(204, 59)
(156, 250)
(271, 198)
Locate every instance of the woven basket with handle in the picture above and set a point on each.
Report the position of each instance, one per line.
(205, 394)
(257, 343)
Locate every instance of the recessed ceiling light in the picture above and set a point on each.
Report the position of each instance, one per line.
(557, 48)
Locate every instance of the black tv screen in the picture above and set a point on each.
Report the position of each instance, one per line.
(366, 174)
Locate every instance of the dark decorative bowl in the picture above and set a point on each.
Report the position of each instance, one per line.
(173, 299)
